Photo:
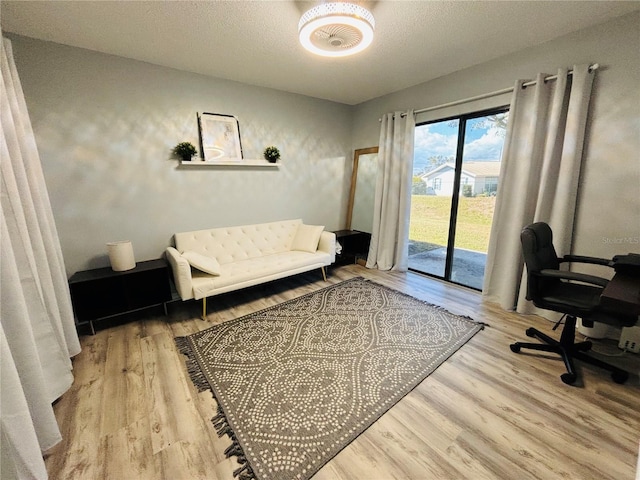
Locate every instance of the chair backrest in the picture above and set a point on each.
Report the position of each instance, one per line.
(539, 254)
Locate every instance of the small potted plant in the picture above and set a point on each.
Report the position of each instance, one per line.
(272, 154)
(185, 151)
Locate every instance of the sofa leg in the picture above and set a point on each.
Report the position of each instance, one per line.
(324, 273)
(204, 308)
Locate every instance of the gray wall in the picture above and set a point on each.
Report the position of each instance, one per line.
(608, 216)
(105, 127)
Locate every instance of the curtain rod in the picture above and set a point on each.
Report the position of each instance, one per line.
(593, 67)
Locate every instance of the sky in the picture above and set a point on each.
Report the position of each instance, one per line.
(482, 142)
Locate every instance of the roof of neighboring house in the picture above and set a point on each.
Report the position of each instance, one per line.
(488, 168)
(435, 172)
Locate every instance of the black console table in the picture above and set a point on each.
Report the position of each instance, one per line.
(355, 245)
(102, 293)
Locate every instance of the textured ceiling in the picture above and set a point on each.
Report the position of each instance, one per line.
(255, 42)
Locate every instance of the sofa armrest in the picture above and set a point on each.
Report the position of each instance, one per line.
(327, 244)
(181, 273)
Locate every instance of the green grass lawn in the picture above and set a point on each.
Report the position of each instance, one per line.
(430, 221)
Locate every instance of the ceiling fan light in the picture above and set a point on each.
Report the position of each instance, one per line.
(336, 29)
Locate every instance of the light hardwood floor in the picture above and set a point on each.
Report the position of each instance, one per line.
(133, 413)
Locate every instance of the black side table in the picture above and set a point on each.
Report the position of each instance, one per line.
(102, 293)
(355, 244)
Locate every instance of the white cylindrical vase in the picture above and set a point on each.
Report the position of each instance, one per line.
(121, 255)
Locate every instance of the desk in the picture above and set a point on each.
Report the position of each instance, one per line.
(622, 294)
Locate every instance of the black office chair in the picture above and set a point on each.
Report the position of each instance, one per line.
(576, 295)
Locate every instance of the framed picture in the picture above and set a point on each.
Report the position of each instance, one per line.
(219, 137)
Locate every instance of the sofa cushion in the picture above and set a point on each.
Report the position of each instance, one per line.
(256, 270)
(203, 263)
(307, 238)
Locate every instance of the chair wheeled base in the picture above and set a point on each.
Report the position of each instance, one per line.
(568, 349)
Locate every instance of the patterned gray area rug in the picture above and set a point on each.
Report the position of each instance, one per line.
(295, 383)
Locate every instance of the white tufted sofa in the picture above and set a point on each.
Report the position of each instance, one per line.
(247, 255)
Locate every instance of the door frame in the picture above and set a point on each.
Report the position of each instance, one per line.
(455, 195)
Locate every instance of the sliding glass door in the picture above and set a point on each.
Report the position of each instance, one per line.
(455, 181)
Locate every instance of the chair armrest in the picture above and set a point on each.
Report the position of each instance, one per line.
(327, 244)
(579, 277)
(181, 273)
(583, 259)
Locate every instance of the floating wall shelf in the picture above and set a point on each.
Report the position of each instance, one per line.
(230, 163)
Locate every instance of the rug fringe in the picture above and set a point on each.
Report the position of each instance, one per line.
(194, 370)
(245, 472)
(220, 423)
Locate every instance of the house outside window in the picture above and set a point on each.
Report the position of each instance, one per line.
(491, 185)
(437, 183)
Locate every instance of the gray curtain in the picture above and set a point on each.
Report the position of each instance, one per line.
(392, 204)
(541, 164)
(37, 328)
